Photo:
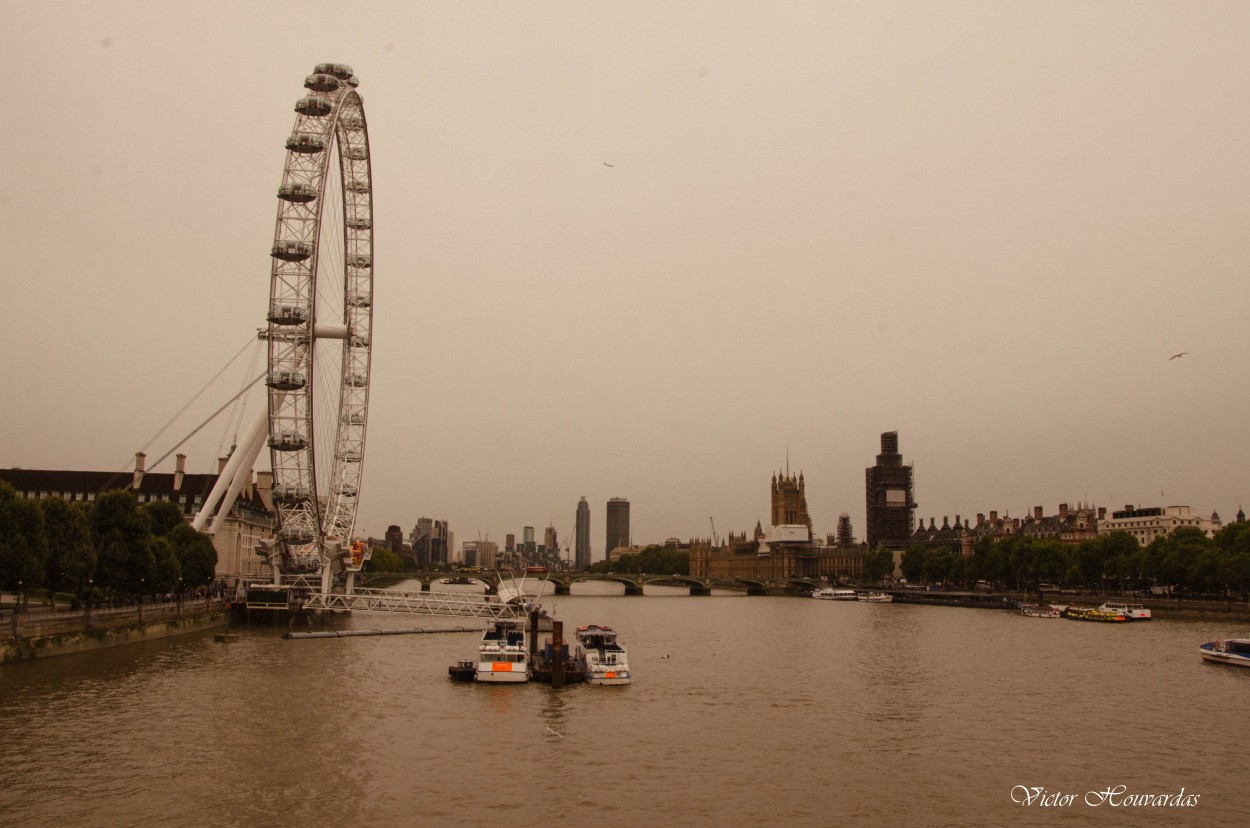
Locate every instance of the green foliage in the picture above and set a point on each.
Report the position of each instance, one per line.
(71, 557)
(166, 572)
(384, 560)
(164, 516)
(122, 536)
(196, 555)
(878, 565)
(23, 541)
(654, 560)
(1186, 559)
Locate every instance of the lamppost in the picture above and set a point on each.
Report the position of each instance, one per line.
(17, 605)
(140, 600)
(179, 598)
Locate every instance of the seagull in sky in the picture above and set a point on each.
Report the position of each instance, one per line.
(606, 164)
(1174, 356)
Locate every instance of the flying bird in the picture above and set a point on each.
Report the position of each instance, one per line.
(1174, 356)
(606, 164)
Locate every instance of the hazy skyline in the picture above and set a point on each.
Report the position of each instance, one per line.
(645, 250)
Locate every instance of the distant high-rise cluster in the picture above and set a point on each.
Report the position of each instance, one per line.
(432, 541)
(890, 494)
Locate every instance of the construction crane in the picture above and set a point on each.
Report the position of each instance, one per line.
(715, 540)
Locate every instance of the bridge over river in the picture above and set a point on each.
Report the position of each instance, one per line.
(633, 584)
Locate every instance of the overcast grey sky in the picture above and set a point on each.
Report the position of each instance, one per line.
(986, 225)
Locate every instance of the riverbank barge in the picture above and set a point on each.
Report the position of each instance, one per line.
(979, 600)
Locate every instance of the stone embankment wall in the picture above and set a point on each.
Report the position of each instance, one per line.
(114, 635)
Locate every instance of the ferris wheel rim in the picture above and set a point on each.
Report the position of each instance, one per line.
(330, 125)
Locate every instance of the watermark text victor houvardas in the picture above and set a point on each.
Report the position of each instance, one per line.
(1118, 796)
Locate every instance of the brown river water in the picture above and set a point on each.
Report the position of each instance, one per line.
(743, 711)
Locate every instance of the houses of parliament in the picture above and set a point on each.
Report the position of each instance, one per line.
(788, 548)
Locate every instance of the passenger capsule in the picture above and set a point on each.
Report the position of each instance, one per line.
(356, 185)
(339, 70)
(286, 380)
(296, 534)
(350, 457)
(359, 341)
(288, 314)
(320, 82)
(346, 490)
(314, 107)
(288, 441)
(356, 153)
(353, 81)
(286, 493)
(353, 418)
(305, 142)
(352, 121)
(360, 223)
(359, 299)
(359, 260)
(289, 250)
(297, 192)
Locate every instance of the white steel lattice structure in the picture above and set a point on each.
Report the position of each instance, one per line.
(319, 336)
(320, 324)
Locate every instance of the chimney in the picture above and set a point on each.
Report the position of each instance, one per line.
(932, 523)
(140, 457)
(1063, 511)
(946, 522)
(264, 487)
(180, 470)
(1102, 512)
(1037, 512)
(994, 517)
(958, 521)
(980, 518)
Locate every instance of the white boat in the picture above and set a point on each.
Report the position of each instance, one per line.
(1131, 612)
(600, 657)
(502, 657)
(1041, 610)
(877, 597)
(1234, 651)
(829, 594)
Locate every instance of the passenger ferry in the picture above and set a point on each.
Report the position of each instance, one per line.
(600, 658)
(877, 597)
(1040, 610)
(1131, 612)
(1233, 651)
(829, 594)
(502, 657)
(1091, 614)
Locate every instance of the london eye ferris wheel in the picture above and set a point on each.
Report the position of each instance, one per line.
(319, 336)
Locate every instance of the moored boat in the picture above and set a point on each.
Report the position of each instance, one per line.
(502, 657)
(600, 657)
(830, 594)
(1092, 614)
(876, 597)
(1232, 651)
(1040, 610)
(1131, 612)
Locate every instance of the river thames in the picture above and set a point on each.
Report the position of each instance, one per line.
(743, 711)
